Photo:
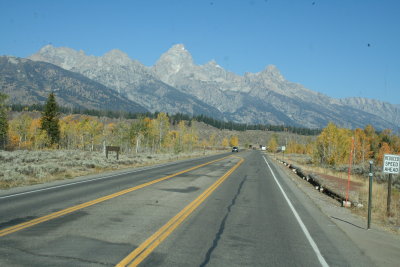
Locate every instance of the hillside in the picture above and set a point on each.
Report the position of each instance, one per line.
(29, 82)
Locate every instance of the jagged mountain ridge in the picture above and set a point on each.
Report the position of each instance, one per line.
(263, 97)
(381, 109)
(266, 92)
(129, 77)
(30, 82)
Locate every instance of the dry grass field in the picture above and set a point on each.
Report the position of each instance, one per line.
(24, 167)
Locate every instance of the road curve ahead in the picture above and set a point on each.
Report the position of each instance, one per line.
(228, 210)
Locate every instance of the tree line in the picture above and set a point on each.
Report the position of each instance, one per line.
(223, 125)
(174, 118)
(334, 145)
(153, 133)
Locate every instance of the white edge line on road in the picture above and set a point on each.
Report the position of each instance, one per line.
(303, 227)
(91, 180)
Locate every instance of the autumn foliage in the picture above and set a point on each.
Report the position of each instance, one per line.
(333, 145)
(91, 133)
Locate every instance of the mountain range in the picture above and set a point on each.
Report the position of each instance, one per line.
(176, 84)
(29, 82)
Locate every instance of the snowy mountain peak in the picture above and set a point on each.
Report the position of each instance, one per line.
(46, 48)
(115, 53)
(271, 71)
(117, 56)
(214, 64)
(178, 47)
(177, 55)
(64, 57)
(176, 59)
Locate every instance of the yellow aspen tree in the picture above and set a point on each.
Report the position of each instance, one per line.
(122, 134)
(153, 135)
(225, 142)
(190, 139)
(37, 136)
(309, 149)
(174, 137)
(33, 132)
(326, 144)
(396, 144)
(212, 140)
(108, 134)
(292, 147)
(13, 136)
(204, 143)
(182, 133)
(272, 144)
(81, 132)
(138, 132)
(21, 127)
(147, 134)
(362, 147)
(234, 141)
(69, 132)
(160, 129)
(168, 142)
(94, 130)
(343, 146)
(384, 149)
(373, 139)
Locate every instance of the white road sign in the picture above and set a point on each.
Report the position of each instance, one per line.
(391, 164)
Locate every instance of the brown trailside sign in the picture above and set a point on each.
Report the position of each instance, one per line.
(112, 148)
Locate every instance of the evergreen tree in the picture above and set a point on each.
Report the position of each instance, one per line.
(49, 120)
(3, 121)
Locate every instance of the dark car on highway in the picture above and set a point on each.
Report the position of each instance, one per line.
(235, 149)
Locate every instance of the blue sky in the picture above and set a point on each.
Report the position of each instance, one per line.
(341, 48)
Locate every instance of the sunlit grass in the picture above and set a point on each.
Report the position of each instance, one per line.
(23, 167)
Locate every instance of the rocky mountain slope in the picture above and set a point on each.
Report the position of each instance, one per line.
(128, 77)
(30, 82)
(176, 83)
(264, 96)
(381, 109)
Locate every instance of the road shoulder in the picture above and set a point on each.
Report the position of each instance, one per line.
(382, 247)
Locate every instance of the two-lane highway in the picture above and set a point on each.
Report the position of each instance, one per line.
(28, 204)
(226, 210)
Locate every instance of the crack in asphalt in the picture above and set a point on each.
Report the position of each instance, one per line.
(222, 225)
(61, 257)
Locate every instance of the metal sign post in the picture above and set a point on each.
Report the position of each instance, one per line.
(389, 196)
(391, 165)
(370, 194)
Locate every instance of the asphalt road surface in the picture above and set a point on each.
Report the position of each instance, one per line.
(234, 209)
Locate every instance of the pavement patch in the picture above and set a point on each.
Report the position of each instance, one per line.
(183, 190)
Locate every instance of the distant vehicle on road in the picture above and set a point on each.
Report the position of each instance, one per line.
(235, 149)
(263, 148)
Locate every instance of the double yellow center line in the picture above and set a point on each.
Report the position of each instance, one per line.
(60, 213)
(141, 252)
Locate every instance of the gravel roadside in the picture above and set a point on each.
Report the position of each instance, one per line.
(381, 245)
